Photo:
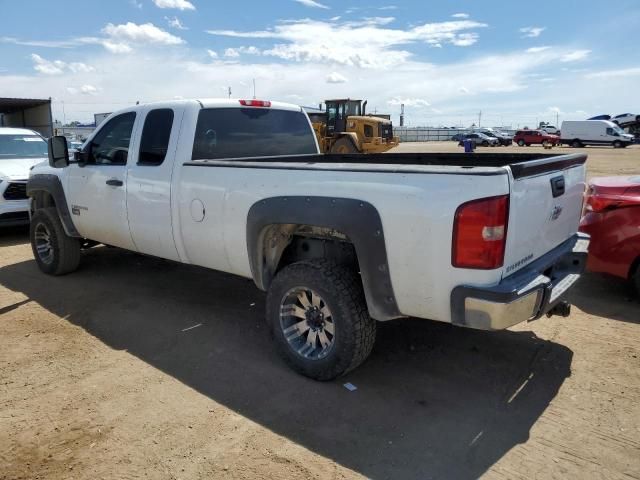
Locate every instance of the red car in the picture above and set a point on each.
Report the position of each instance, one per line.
(532, 137)
(612, 218)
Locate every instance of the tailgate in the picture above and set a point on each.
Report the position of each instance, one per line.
(545, 207)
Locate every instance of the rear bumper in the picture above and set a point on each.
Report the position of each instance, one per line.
(527, 294)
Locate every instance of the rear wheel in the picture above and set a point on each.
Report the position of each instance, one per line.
(318, 317)
(576, 143)
(344, 145)
(55, 252)
(521, 143)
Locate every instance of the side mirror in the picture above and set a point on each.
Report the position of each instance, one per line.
(58, 151)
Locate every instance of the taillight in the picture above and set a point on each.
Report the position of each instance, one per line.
(255, 103)
(480, 233)
(605, 203)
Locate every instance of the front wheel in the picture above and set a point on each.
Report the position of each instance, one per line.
(344, 145)
(55, 252)
(318, 317)
(617, 144)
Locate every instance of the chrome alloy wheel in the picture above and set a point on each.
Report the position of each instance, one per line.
(44, 247)
(307, 323)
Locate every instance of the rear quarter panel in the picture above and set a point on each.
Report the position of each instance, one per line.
(417, 212)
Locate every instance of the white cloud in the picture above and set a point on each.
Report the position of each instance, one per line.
(388, 7)
(115, 47)
(537, 49)
(460, 15)
(574, 56)
(212, 53)
(136, 4)
(88, 89)
(532, 32)
(335, 77)
(236, 52)
(179, 4)
(365, 43)
(622, 73)
(143, 33)
(408, 102)
(463, 90)
(311, 3)
(58, 67)
(175, 23)
(39, 43)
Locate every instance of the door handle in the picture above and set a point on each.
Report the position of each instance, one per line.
(557, 186)
(113, 182)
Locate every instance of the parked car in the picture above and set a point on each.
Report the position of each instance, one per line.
(240, 186)
(600, 117)
(552, 129)
(625, 118)
(480, 139)
(579, 133)
(20, 149)
(535, 137)
(503, 138)
(612, 217)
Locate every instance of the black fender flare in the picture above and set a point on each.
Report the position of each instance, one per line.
(357, 219)
(51, 184)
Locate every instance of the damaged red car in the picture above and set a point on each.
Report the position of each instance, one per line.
(612, 218)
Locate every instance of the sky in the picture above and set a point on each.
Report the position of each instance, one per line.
(445, 61)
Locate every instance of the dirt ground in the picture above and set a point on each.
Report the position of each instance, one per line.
(135, 367)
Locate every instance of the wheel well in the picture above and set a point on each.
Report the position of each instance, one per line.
(42, 199)
(285, 244)
(634, 268)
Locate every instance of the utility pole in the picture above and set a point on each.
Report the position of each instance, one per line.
(557, 116)
(229, 91)
(402, 114)
(254, 88)
(479, 118)
(64, 117)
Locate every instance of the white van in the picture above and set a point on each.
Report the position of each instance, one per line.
(580, 133)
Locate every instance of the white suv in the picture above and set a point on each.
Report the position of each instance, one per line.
(20, 149)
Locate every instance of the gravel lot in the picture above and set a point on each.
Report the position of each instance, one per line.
(135, 367)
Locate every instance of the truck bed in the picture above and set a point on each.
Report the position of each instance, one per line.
(521, 164)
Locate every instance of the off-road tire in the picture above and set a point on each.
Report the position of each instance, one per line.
(341, 289)
(344, 145)
(65, 250)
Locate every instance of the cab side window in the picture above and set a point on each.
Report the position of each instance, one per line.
(368, 131)
(155, 137)
(110, 146)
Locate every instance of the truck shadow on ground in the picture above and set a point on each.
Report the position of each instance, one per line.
(433, 401)
(621, 302)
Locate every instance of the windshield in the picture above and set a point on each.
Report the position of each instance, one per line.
(618, 130)
(22, 146)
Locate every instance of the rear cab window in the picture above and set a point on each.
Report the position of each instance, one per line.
(155, 137)
(251, 132)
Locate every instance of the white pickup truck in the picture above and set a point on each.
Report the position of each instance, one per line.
(339, 242)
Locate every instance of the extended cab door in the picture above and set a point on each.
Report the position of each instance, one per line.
(149, 182)
(97, 190)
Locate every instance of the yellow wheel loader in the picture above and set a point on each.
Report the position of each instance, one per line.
(344, 127)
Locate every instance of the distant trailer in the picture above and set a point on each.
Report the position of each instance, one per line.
(31, 113)
(100, 117)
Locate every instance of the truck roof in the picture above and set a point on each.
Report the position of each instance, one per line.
(222, 103)
(16, 131)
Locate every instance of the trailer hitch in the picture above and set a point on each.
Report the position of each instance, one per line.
(563, 309)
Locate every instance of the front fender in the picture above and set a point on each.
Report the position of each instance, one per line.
(52, 185)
